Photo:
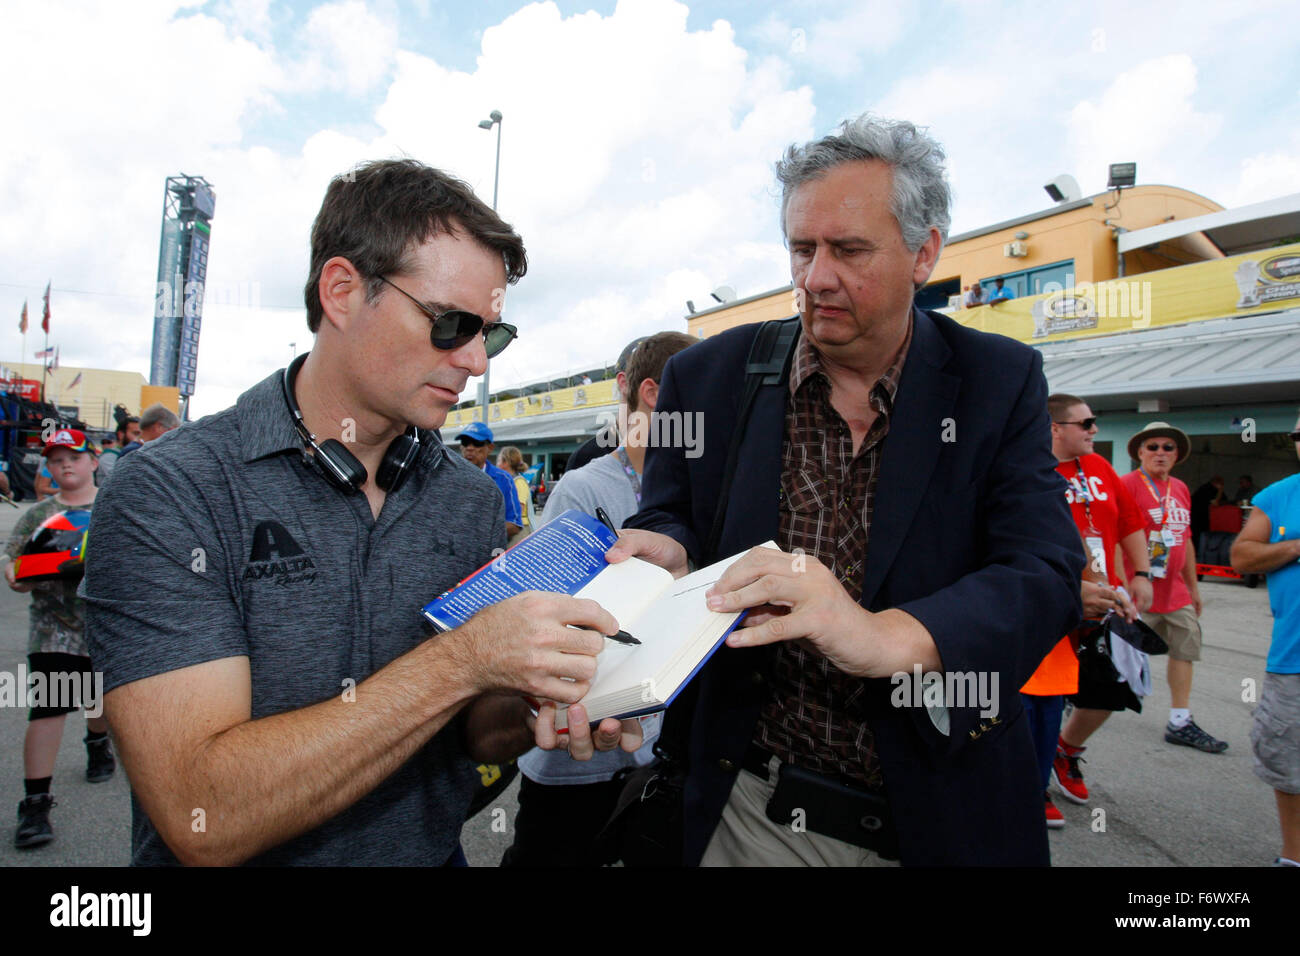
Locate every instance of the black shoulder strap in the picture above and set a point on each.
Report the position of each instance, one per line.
(769, 356)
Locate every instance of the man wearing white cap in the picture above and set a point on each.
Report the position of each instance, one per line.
(1176, 604)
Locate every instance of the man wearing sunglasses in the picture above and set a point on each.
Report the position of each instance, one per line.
(476, 446)
(274, 695)
(1176, 603)
(1111, 525)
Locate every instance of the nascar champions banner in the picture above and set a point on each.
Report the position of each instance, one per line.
(559, 400)
(1264, 281)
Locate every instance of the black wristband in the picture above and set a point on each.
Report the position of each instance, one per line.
(1142, 574)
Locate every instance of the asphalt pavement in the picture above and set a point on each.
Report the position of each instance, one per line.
(1153, 804)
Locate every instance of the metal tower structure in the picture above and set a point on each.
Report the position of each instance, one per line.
(188, 206)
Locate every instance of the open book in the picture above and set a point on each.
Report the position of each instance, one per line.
(670, 618)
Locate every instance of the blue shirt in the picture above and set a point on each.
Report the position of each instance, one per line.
(1001, 295)
(1281, 502)
(507, 486)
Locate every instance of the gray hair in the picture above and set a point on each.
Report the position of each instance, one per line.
(921, 197)
(159, 414)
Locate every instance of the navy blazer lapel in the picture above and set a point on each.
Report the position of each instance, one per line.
(753, 515)
(925, 397)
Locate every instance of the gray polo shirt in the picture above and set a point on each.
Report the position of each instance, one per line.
(217, 541)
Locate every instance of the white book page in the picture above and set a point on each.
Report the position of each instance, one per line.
(671, 627)
(625, 590)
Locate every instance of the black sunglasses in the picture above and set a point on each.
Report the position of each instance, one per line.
(456, 327)
(1156, 446)
(1294, 436)
(1085, 423)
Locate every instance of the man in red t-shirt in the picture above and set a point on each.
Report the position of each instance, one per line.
(1167, 506)
(1110, 524)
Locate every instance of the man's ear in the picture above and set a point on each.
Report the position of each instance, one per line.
(927, 257)
(339, 282)
(647, 395)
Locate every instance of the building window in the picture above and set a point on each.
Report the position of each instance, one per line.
(1035, 281)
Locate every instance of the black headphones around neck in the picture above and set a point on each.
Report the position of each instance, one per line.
(339, 466)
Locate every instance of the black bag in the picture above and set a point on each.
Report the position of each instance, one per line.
(834, 809)
(1139, 634)
(646, 827)
(1094, 654)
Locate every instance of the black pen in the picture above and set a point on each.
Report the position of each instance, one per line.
(604, 519)
(622, 637)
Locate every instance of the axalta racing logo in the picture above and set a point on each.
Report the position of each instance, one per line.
(277, 556)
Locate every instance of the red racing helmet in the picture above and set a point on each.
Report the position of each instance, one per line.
(56, 549)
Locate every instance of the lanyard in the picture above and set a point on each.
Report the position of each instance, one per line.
(621, 453)
(1162, 502)
(1085, 496)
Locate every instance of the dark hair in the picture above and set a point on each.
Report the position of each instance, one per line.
(649, 359)
(373, 216)
(625, 356)
(121, 428)
(1060, 403)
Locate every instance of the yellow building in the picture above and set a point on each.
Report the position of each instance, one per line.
(95, 394)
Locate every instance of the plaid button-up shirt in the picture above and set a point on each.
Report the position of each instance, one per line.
(814, 716)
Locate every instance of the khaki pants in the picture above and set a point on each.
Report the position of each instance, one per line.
(746, 837)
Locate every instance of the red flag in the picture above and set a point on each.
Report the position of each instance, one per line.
(22, 323)
(75, 382)
(45, 319)
(56, 359)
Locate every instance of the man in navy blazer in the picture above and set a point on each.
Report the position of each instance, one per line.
(913, 456)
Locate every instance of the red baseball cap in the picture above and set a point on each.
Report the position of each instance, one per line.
(69, 438)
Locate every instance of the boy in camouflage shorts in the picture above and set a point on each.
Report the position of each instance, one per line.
(56, 646)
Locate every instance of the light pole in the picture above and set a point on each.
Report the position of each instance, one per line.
(494, 119)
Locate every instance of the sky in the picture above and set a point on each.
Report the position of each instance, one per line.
(637, 142)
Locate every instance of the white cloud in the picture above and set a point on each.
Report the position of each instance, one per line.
(344, 47)
(1267, 176)
(839, 45)
(1146, 115)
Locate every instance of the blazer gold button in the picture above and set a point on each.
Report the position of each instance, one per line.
(726, 765)
(757, 678)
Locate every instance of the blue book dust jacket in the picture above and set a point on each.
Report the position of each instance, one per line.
(561, 557)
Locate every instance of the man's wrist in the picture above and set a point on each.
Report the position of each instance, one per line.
(910, 640)
(1142, 574)
(449, 660)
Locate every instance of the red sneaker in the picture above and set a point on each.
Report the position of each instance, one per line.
(1055, 820)
(1065, 769)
